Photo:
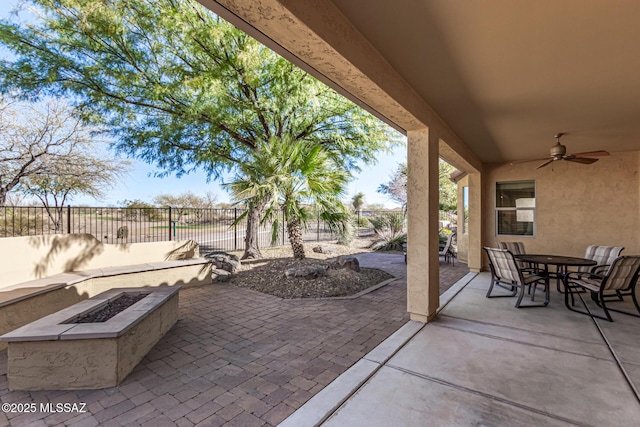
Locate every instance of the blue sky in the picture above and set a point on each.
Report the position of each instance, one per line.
(141, 184)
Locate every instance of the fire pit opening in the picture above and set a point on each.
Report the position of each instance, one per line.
(108, 310)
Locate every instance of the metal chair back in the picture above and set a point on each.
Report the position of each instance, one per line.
(516, 248)
(603, 255)
(622, 274)
(504, 264)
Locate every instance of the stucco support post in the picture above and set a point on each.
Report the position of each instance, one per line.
(474, 254)
(423, 295)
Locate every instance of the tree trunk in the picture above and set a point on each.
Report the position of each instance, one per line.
(295, 237)
(251, 249)
(3, 196)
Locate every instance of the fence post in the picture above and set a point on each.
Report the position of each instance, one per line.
(170, 222)
(235, 229)
(68, 219)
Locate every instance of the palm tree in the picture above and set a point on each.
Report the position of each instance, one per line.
(357, 201)
(290, 176)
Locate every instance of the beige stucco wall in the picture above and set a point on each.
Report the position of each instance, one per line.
(577, 205)
(34, 257)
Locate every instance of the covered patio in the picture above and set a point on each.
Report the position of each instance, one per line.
(482, 85)
(484, 362)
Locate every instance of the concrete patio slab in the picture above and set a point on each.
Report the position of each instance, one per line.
(552, 382)
(484, 362)
(406, 399)
(332, 396)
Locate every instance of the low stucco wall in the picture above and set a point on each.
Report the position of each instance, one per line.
(28, 292)
(24, 311)
(35, 257)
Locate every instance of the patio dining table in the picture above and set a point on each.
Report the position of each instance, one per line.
(561, 262)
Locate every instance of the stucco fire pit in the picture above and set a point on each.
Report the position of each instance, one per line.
(54, 353)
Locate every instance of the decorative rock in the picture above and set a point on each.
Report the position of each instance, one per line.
(224, 261)
(345, 261)
(321, 250)
(309, 271)
(220, 276)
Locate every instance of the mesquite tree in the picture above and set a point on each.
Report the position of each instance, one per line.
(180, 88)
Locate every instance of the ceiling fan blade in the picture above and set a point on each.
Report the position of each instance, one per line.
(585, 160)
(515, 162)
(592, 154)
(545, 163)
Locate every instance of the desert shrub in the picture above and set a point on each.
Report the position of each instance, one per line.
(363, 222)
(379, 223)
(346, 233)
(389, 241)
(391, 221)
(395, 221)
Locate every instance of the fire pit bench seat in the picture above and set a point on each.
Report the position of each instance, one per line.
(44, 274)
(59, 352)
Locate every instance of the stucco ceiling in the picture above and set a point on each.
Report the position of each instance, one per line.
(503, 75)
(507, 75)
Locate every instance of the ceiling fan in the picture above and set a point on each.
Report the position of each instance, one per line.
(559, 152)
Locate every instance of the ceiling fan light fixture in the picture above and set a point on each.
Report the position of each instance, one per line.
(559, 152)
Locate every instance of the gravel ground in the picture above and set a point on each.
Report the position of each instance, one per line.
(268, 274)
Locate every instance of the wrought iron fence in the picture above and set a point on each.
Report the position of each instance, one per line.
(217, 229)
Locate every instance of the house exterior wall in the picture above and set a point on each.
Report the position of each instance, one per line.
(576, 205)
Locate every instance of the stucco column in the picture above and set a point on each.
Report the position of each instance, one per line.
(423, 295)
(474, 254)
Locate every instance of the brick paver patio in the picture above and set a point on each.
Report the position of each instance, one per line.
(238, 357)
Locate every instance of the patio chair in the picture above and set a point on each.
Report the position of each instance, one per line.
(604, 256)
(517, 248)
(505, 272)
(622, 276)
(447, 251)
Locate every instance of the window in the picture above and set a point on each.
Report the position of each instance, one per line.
(515, 208)
(465, 210)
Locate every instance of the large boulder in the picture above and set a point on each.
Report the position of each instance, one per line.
(321, 250)
(224, 261)
(345, 261)
(308, 271)
(220, 276)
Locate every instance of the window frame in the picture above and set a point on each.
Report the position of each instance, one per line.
(516, 209)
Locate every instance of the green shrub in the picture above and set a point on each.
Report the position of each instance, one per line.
(389, 241)
(363, 222)
(395, 222)
(444, 234)
(379, 223)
